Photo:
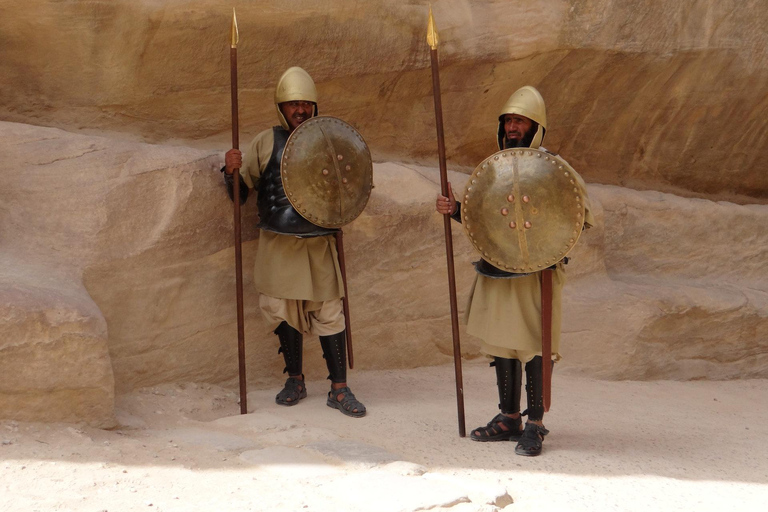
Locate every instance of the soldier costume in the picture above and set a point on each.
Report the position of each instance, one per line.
(297, 269)
(505, 306)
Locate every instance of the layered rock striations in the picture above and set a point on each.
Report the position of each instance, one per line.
(117, 273)
(657, 94)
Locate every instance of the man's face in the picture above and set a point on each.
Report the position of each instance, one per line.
(516, 127)
(296, 112)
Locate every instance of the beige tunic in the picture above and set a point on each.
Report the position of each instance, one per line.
(300, 273)
(506, 313)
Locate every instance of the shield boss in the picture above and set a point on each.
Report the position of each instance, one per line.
(327, 171)
(523, 209)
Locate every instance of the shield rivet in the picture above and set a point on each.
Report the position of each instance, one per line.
(325, 172)
(496, 158)
(527, 224)
(560, 167)
(526, 199)
(512, 225)
(538, 155)
(567, 173)
(340, 157)
(578, 215)
(511, 198)
(349, 167)
(505, 211)
(575, 190)
(573, 182)
(571, 240)
(474, 181)
(344, 180)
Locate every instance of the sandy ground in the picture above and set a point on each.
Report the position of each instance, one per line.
(644, 446)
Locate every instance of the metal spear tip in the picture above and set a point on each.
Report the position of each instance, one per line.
(432, 37)
(235, 33)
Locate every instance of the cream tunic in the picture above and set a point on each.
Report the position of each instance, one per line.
(506, 313)
(302, 273)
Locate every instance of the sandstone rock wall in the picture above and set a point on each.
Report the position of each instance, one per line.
(656, 94)
(117, 272)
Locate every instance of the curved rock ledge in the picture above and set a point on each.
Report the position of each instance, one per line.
(117, 273)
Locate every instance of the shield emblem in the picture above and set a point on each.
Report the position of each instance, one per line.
(523, 209)
(327, 171)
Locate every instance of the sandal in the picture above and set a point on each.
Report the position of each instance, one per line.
(347, 404)
(494, 432)
(293, 391)
(530, 442)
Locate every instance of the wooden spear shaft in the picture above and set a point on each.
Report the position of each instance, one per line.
(238, 238)
(447, 224)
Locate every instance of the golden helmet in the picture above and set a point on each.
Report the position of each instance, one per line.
(526, 101)
(294, 85)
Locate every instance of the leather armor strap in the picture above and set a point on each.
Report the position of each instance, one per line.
(335, 354)
(509, 379)
(546, 334)
(292, 348)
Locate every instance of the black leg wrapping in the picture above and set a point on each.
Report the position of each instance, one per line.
(292, 348)
(335, 354)
(509, 379)
(534, 385)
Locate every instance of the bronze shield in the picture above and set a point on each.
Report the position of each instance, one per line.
(327, 171)
(523, 209)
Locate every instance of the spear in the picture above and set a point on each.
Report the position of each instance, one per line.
(238, 241)
(345, 300)
(432, 40)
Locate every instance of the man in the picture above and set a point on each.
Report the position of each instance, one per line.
(505, 308)
(297, 271)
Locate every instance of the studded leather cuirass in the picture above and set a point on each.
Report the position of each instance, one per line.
(276, 213)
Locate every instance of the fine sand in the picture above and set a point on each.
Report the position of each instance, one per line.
(628, 446)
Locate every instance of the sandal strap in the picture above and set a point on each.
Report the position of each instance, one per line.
(532, 436)
(292, 388)
(348, 400)
(493, 427)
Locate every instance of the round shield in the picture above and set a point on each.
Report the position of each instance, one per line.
(523, 209)
(327, 171)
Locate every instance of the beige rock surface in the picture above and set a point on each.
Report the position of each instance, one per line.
(117, 274)
(657, 94)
